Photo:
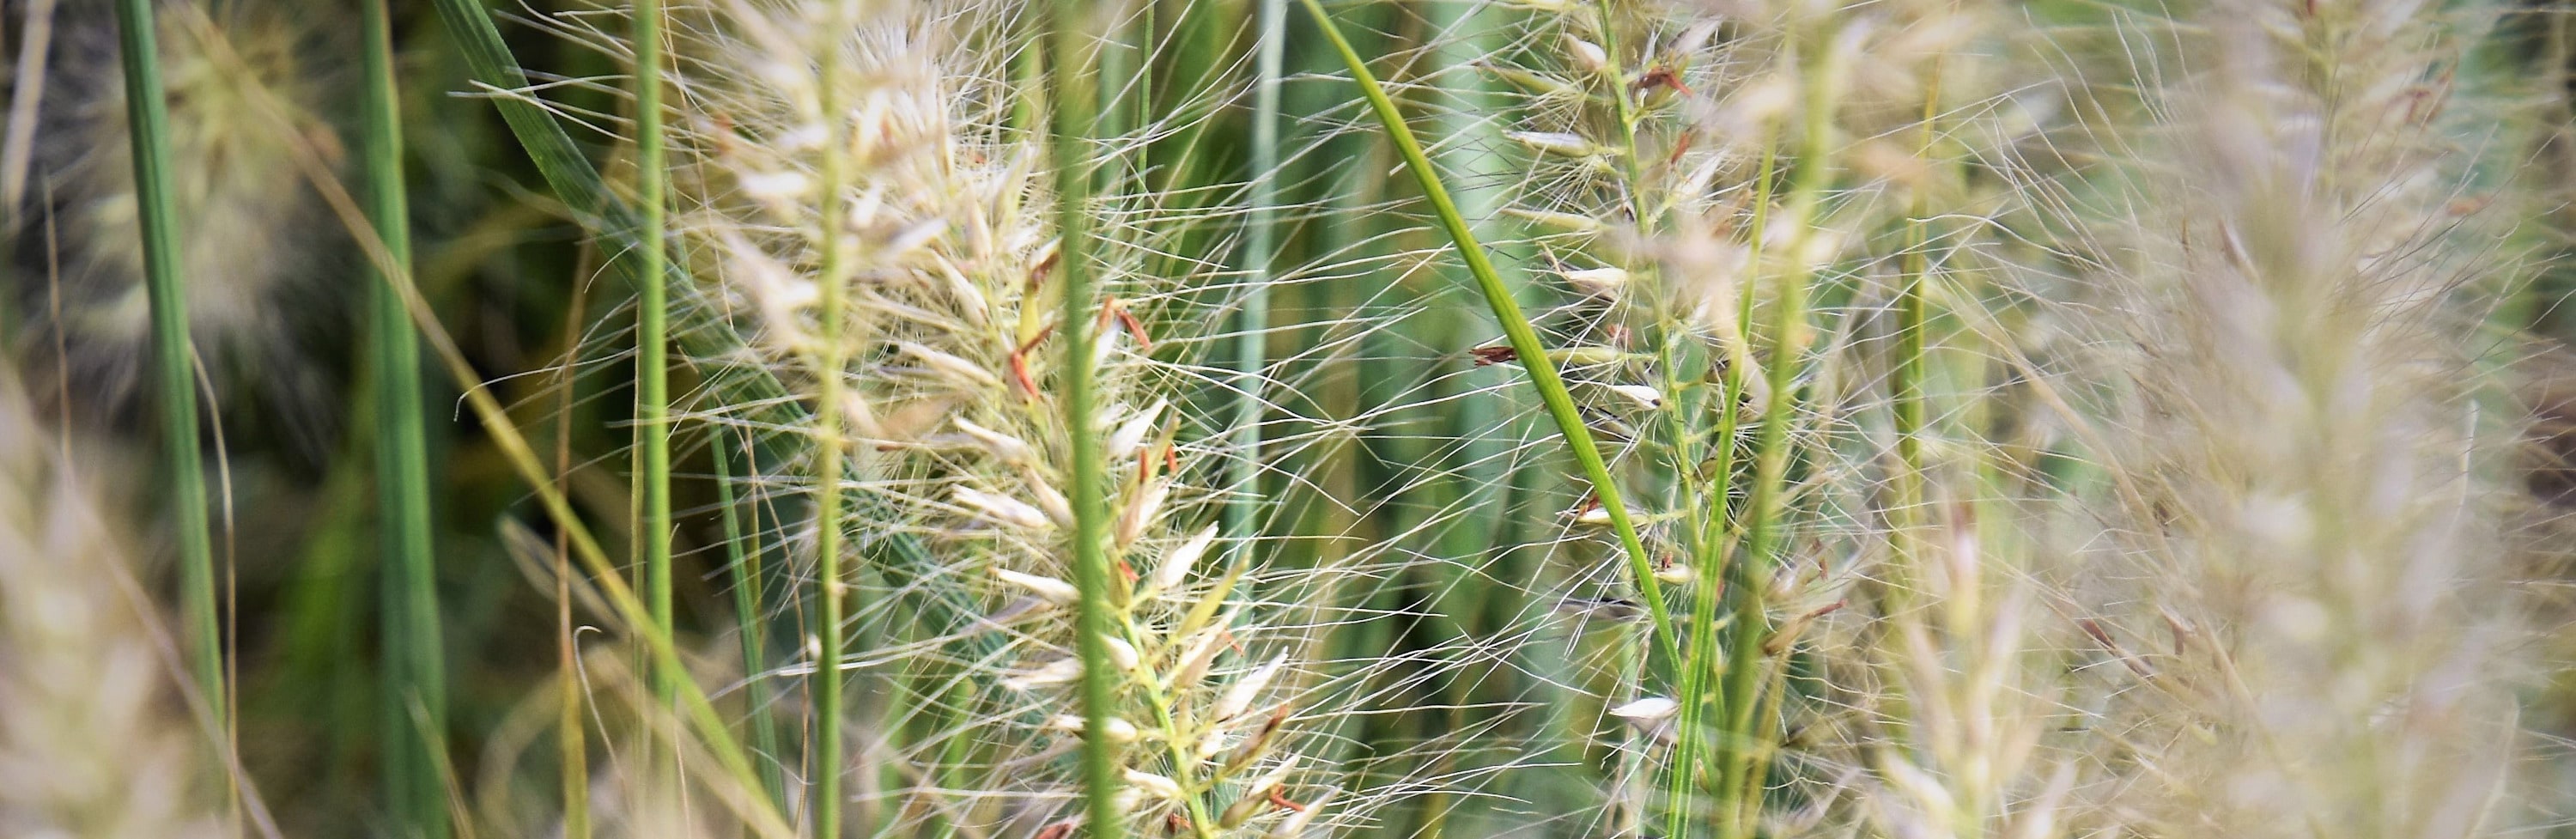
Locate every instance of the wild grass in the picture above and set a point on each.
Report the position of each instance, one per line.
(1915, 418)
(173, 354)
(416, 668)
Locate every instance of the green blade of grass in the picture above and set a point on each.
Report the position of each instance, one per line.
(1905, 381)
(1516, 328)
(415, 665)
(578, 184)
(174, 357)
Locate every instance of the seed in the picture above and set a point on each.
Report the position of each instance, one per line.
(1648, 711)
(1586, 54)
(1557, 143)
(1003, 508)
(1053, 590)
(1597, 282)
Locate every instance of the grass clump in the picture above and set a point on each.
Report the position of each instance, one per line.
(1911, 418)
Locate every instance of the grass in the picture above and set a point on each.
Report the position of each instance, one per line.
(830, 708)
(1078, 112)
(1914, 418)
(652, 328)
(415, 675)
(1527, 351)
(173, 354)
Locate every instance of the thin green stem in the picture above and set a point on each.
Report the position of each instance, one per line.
(652, 329)
(1906, 381)
(1260, 251)
(828, 443)
(572, 745)
(1624, 109)
(1702, 692)
(1077, 114)
(174, 356)
(578, 184)
(744, 567)
(415, 669)
(1674, 354)
(1516, 328)
(1158, 700)
(1765, 508)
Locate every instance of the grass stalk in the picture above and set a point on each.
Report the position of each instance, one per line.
(1516, 328)
(415, 665)
(1913, 318)
(1260, 252)
(174, 356)
(1076, 98)
(572, 744)
(1765, 511)
(652, 330)
(743, 565)
(829, 707)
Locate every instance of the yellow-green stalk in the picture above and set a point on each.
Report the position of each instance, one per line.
(743, 565)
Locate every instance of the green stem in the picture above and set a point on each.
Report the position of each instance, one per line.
(415, 670)
(1905, 382)
(828, 441)
(1702, 690)
(1077, 115)
(1516, 327)
(715, 736)
(1791, 334)
(1260, 251)
(744, 567)
(1699, 531)
(174, 356)
(652, 336)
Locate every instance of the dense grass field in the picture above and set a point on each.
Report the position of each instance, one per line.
(1388, 419)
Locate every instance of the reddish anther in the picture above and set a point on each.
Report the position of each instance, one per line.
(1038, 273)
(1118, 309)
(1020, 374)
